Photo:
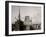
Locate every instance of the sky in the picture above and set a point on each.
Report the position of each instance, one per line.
(31, 11)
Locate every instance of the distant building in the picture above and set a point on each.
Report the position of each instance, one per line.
(27, 20)
(19, 24)
(28, 23)
(36, 26)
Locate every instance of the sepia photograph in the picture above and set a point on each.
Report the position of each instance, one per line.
(24, 18)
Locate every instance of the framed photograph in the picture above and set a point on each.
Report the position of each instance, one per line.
(24, 18)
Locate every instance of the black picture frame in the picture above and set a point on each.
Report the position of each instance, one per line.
(7, 17)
